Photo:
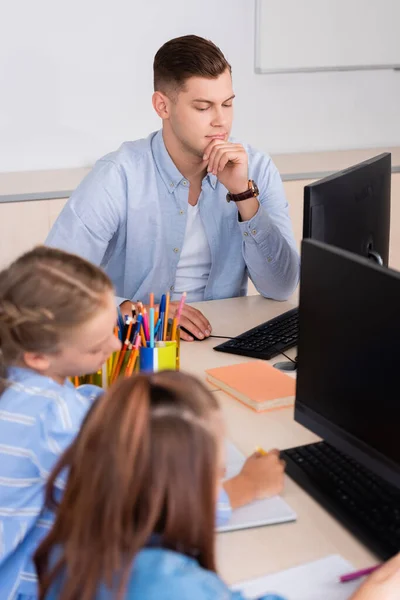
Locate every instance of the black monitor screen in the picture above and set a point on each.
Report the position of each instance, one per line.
(351, 209)
(348, 385)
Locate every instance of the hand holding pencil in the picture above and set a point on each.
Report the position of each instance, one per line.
(383, 584)
(262, 476)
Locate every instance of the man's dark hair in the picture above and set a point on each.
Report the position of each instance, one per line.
(184, 57)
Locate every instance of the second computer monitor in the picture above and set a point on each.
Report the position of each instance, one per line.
(347, 382)
(351, 209)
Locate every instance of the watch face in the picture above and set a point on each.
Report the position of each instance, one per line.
(254, 188)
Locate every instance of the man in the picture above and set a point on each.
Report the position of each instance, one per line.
(154, 214)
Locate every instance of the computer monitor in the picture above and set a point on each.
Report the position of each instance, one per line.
(349, 334)
(351, 209)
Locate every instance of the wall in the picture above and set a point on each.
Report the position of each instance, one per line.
(76, 81)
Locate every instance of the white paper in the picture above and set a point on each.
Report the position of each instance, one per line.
(256, 514)
(232, 454)
(318, 580)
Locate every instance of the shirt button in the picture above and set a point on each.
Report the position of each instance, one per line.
(269, 259)
(245, 233)
(181, 212)
(184, 182)
(254, 231)
(176, 250)
(171, 184)
(172, 288)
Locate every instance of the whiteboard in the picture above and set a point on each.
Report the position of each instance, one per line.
(326, 35)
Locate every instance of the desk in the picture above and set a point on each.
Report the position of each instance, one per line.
(253, 552)
(229, 318)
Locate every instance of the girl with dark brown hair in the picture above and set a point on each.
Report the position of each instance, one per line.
(137, 517)
(136, 521)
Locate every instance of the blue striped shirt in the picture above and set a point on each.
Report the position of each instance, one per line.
(38, 419)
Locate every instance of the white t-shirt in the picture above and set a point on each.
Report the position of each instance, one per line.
(195, 260)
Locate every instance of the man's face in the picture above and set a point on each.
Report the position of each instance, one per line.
(201, 112)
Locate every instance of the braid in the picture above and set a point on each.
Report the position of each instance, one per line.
(13, 316)
(43, 294)
(71, 281)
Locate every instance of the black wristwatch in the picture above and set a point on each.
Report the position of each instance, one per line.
(251, 192)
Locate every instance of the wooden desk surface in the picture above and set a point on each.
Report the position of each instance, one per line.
(228, 318)
(59, 183)
(254, 552)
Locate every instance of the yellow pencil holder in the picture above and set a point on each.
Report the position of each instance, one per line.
(164, 356)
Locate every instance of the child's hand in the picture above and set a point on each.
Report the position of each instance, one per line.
(382, 584)
(260, 477)
(264, 473)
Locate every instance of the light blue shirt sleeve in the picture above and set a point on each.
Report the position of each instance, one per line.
(269, 247)
(93, 214)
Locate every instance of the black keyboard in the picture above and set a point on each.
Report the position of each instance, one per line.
(267, 340)
(367, 505)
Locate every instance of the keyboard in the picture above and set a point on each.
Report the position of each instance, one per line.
(267, 340)
(367, 505)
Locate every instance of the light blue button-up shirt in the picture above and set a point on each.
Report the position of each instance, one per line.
(129, 216)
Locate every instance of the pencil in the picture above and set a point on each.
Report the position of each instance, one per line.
(132, 359)
(165, 320)
(357, 574)
(122, 354)
(177, 318)
(146, 324)
(180, 307)
(151, 327)
(261, 451)
(151, 300)
(157, 328)
(142, 336)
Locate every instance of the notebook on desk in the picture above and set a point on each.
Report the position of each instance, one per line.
(256, 514)
(317, 580)
(256, 383)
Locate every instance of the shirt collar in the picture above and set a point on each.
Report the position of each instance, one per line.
(169, 173)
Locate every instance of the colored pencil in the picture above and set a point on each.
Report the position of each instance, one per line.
(165, 321)
(357, 574)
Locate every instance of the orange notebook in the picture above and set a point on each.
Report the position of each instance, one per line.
(257, 384)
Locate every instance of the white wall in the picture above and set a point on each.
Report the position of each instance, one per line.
(76, 81)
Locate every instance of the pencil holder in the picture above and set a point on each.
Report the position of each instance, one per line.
(164, 356)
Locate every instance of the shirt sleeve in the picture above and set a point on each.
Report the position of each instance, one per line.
(269, 248)
(93, 214)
